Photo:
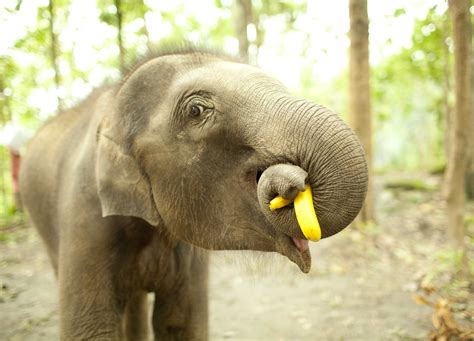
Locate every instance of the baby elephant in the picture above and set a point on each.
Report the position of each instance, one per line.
(130, 187)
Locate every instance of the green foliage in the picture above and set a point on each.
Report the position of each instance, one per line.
(398, 12)
(409, 185)
(12, 229)
(263, 9)
(12, 219)
(448, 264)
(369, 228)
(21, 80)
(408, 95)
(469, 220)
(438, 169)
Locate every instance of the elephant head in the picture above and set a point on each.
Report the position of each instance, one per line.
(198, 145)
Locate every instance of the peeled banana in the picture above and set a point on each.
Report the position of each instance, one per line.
(305, 213)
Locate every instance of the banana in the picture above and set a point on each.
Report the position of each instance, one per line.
(278, 202)
(305, 213)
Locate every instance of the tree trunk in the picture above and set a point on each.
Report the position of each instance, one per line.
(3, 162)
(3, 119)
(144, 10)
(458, 160)
(242, 18)
(359, 90)
(470, 170)
(3, 182)
(54, 52)
(118, 7)
(446, 87)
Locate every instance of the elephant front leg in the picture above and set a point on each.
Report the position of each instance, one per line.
(181, 313)
(90, 306)
(136, 317)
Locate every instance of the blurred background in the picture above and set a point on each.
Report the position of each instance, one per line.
(400, 72)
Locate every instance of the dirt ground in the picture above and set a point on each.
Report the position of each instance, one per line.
(361, 285)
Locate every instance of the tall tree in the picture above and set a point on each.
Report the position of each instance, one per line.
(143, 9)
(3, 121)
(446, 85)
(243, 18)
(470, 170)
(359, 89)
(118, 8)
(54, 50)
(136, 9)
(461, 124)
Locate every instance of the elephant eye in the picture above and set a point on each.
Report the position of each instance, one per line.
(196, 110)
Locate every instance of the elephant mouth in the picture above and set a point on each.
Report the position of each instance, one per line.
(304, 255)
(294, 247)
(301, 244)
(296, 250)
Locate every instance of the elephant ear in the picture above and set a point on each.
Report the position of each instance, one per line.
(122, 186)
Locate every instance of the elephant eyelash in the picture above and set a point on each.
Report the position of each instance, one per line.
(206, 109)
(189, 98)
(200, 93)
(204, 118)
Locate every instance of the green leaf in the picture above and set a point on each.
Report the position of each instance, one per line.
(398, 12)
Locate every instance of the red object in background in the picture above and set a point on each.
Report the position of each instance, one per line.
(15, 169)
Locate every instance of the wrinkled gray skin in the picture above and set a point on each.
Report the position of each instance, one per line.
(129, 187)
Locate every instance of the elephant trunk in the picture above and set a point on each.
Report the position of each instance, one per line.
(312, 145)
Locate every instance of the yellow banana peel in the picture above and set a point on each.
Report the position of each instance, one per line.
(305, 213)
(278, 202)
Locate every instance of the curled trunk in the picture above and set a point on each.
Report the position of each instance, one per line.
(316, 140)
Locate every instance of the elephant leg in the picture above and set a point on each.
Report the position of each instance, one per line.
(136, 317)
(182, 313)
(91, 307)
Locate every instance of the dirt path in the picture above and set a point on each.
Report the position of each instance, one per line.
(360, 287)
(28, 301)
